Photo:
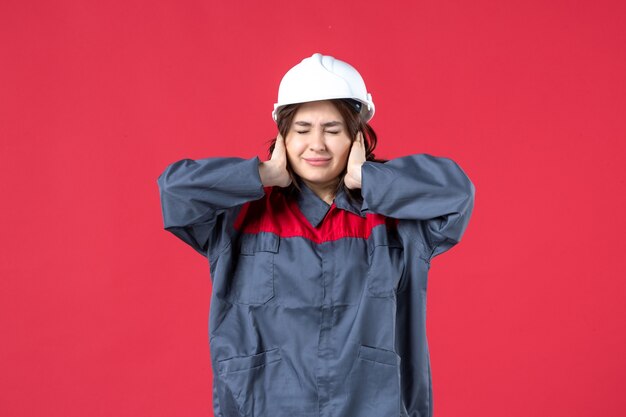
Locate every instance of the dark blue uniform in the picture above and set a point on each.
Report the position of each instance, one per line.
(317, 309)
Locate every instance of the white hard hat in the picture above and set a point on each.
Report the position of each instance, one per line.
(322, 77)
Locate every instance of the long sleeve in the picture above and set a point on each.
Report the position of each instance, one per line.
(200, 198)
(433, 199)
(422, 187)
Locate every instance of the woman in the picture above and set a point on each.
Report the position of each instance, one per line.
(319, 257)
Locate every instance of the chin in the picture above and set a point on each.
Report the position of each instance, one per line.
(316, 178)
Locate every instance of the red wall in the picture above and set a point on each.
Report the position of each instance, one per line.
(105, 314)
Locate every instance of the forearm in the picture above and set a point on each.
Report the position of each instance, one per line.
(422, 188)
(192, 191)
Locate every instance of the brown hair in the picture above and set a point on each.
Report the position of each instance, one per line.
(354, 124)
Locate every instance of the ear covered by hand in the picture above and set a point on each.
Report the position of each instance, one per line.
(274, 172)
(355, 161)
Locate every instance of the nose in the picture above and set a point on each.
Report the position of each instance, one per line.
(317, 142)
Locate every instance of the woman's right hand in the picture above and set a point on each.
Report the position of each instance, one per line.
(274, 172)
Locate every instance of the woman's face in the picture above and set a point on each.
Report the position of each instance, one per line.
(318, 143)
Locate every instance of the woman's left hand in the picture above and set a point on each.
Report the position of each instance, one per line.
(355, 160)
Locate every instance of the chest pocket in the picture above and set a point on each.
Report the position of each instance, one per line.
(253, 278)
(386, 266)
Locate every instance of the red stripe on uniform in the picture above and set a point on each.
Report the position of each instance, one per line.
(276, 214)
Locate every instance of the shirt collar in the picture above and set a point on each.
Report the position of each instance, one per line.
(315, 209)
(348, 203)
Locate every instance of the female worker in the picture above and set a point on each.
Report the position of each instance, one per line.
(319, 257)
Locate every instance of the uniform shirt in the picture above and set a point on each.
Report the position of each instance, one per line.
(317, 309)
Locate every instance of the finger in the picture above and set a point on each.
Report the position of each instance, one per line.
(280, 142)
(280, 150)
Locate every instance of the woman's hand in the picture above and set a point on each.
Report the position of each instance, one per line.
(274, 172)
(355, 160)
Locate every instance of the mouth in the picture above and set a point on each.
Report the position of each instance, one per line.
(317, 161)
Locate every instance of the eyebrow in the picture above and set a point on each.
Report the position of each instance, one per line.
(327, 124)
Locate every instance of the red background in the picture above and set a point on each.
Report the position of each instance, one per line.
(105, 314)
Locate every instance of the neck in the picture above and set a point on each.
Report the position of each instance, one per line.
(324, 191)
